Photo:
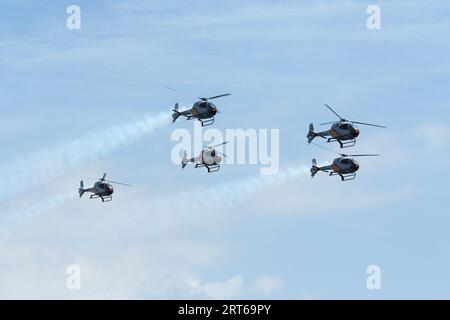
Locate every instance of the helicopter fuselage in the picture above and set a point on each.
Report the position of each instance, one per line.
(203, 110)
(345, 133)
(342, 131)
(209, 157)
(345, 165)
(103, 189)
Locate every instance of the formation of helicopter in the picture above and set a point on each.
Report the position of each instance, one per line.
(203, 110)
(102, 189)
(345, 133)
(342, 131)
(209, 158)
(344, 166)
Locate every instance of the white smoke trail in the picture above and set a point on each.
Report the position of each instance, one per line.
(190, 205)
(198, 203)
(230, 193)
(39, 167)
(22, 214)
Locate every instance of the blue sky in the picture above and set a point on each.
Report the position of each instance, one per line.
(296, 239)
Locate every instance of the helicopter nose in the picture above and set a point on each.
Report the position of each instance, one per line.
(356, 166)
(356, 132)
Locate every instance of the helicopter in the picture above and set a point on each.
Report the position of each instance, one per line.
(209, 158)
(344, 166)
(102, 189)
(203, 110)
(343, 131)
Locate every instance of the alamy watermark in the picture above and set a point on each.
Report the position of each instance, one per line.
(374, 20)
(245, 146)
(374, 279)
(73, 22)
(74, 279)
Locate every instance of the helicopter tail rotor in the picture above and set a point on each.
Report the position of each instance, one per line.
(311, 133)
(184, 160)
(81, 189)
(314, 168)
(176, 114)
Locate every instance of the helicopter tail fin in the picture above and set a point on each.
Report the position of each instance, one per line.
(314, 168)
(175, 113)
(311, 134)
(81, 189)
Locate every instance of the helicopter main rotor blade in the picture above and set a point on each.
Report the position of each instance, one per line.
(331, 109)
(368, 124)
(222, 154)
(328, 149)
(363, 155)
(175, 90)
(115, 182)
(220, 144)
(182, 92)
(103, 178)
(325, 123)
(217, 145)
(219, 96)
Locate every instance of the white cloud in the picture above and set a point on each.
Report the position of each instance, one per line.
(228, 289)
(267, 285)
(435, 135)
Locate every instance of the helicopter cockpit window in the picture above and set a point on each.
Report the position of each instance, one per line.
(344, 126)
(345, 161)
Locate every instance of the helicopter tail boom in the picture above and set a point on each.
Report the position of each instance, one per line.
(312, 134)
(315, 168)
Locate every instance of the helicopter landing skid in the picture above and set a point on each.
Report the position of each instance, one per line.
(343, 144)
(207, 122)
(210, 168)
(104, 198)
(204, 123)
(344, 177)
